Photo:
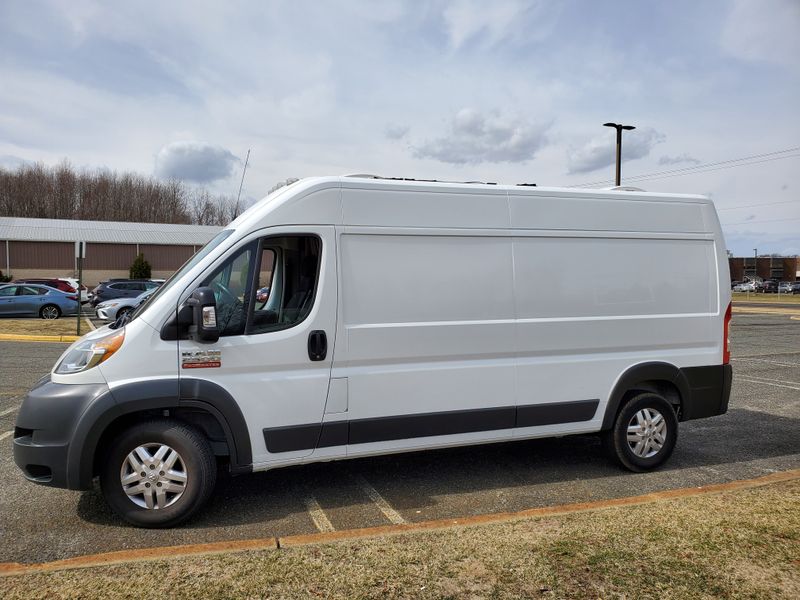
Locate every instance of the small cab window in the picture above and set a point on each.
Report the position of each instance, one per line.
(267, 285)
(287, 279)
(27, 290)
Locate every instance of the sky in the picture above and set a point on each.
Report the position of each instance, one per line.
(503, 91)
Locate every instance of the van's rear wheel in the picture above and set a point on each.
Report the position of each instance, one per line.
(644, 433)
(158, 473)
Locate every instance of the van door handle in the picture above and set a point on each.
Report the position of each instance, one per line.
(317, 345)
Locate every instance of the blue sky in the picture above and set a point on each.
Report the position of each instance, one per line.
(505, 91)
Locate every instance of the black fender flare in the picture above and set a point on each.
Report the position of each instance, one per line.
(153, 395)
(649, 371)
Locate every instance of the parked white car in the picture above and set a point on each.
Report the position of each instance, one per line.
(747, 286)
(111, 310)
(74, 283)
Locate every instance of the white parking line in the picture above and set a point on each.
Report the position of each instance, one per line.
(317, 514)
(6, 434)
(8, 411)
(788, 387)
(386, 508)
(770, 380)
(772, 362)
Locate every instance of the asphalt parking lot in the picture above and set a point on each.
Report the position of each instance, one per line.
(758, 435)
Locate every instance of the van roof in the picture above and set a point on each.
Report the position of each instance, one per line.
(373, 201)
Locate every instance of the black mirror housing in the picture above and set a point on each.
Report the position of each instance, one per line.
(204, 312)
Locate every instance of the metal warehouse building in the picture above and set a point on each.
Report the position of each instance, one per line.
(46, 247)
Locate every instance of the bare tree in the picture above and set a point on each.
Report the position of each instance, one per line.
(61, 192)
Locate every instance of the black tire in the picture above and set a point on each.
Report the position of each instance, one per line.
(616, 439)
(122, 312)
(49, 309)
(197, 463)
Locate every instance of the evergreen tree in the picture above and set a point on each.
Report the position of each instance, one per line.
(140, 269)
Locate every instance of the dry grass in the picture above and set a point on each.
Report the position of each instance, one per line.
(743, 544)
(62, 326)
(766, 298)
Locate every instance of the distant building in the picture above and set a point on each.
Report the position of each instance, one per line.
(46, 247)
(786, 268)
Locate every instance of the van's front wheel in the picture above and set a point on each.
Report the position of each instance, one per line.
(158, 473)
(644, 433)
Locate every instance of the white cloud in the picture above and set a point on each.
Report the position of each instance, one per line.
(197, 162)
(677, 160)
(475, 138)
(763, 30)
(11, 162)
(397, 132)
(498, 21)
(600, 152)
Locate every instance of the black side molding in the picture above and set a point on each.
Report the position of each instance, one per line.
(382, 429)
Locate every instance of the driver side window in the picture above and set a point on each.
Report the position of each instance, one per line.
(267, 285)
(230, 282)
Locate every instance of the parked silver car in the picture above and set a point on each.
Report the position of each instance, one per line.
(111, 310)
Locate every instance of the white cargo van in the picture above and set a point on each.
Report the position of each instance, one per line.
(353, 316)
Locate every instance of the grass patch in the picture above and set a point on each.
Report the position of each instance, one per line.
(61, 326)
(766, 298)
(742, 544)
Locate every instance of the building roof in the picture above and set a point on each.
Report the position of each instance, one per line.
(65, 230)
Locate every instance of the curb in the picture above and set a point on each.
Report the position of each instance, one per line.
(12, 337)
(176, 552)
(766, 310)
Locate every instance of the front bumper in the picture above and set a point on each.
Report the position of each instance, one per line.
(48, 427)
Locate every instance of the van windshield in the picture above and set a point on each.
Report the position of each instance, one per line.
(202, 253)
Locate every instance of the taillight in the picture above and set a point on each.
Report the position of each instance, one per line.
(726, 339)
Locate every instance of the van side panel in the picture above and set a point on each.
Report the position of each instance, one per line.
(534, 211)
(429, 328)
(636, 300)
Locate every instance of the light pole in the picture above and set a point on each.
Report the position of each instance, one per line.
(619, 129)
(755, 263)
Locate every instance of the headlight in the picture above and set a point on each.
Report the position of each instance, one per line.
(91, 353)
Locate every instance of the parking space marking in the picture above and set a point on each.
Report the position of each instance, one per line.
(769, 380)
(317, 515)
(6, 434)
(788, 387)
(771, 362)
(373, 494)
(8, 411)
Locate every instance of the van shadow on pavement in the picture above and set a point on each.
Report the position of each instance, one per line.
(469, 480)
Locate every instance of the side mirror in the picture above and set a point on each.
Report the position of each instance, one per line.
(204, 317)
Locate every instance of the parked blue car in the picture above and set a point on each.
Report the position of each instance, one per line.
(30, 300)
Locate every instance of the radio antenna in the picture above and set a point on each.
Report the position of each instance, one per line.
(241, 183)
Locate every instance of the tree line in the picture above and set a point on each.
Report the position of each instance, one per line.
(62, 192)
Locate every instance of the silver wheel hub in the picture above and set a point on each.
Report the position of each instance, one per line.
(153, 476)
(647, 433)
